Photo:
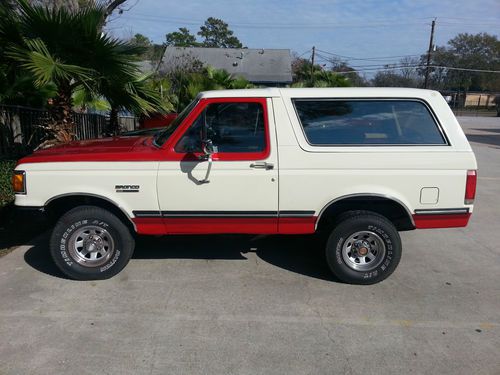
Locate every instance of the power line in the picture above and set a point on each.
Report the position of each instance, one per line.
(419, 66)
(146, 17)
(469, 18)
(466, 69)
(335, 61)
(494, 25)
(302, 54)
(366, 58)
(375, 67)
(263, 25)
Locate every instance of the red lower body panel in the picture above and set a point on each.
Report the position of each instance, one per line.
(289, 225)
(423, 221)
(147, 225)
(220, 225)
(297, 225)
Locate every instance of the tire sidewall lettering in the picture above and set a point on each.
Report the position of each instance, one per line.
(383, 267)
(63, 243)
(338, 251)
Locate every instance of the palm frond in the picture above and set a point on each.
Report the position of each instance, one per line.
(37, 59)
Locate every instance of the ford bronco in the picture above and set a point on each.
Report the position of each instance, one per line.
(356, 164)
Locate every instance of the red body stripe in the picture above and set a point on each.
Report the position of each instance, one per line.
(441, 221)
(289, 225)
(154, 226)
(297, 225)
(220, 225)
(160, 226)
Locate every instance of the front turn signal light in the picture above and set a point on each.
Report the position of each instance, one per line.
(19, 182)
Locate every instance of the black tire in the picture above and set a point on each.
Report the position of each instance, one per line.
(361, 233)
(94, 232)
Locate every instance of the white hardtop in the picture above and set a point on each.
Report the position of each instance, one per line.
(334, 92)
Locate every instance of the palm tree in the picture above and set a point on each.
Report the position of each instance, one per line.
(69, 50)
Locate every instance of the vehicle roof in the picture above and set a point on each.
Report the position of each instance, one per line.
(346, 92)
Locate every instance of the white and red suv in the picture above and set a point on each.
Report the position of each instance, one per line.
(359, 164)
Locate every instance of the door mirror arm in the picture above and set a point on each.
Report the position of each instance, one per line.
(208, 150)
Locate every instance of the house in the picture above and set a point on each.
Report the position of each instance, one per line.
(262, 67)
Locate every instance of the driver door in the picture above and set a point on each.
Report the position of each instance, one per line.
(237, 190)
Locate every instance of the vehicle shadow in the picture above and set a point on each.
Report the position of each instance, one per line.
(487, 139)
(487, 130)
(299, 254)
(16, 227)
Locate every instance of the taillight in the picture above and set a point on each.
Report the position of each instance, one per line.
(470, 187)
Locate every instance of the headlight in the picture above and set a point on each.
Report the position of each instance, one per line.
(19, 182)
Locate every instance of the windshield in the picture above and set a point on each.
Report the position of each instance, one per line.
(161, 137)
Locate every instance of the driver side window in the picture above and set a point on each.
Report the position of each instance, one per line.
(232, 127)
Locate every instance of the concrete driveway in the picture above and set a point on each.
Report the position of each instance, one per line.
(266, 305)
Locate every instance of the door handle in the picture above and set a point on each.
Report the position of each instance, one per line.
(262, 165)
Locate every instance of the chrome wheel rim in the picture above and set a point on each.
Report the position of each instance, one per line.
(363, 251)
(91, 246)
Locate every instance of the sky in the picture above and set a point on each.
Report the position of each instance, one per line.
(356, 29)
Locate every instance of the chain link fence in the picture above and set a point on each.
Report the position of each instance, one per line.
(473, 103)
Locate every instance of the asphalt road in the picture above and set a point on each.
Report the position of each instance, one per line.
(257, 305)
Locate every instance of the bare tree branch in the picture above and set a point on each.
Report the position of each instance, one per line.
(110, 8)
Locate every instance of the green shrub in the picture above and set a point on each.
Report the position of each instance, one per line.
(6, 194)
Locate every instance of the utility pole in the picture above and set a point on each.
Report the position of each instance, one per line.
(431, 42)
(312, 64)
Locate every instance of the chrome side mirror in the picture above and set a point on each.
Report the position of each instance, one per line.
(208, 150)
(208, 147)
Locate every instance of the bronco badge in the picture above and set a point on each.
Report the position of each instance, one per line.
(127, 188)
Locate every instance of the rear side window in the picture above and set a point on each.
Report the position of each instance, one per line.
(367, 122)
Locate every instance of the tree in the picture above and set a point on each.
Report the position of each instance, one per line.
(306, 75)
(406, 73)
(181, 38)
(141, 41)
(215, 33)
(350, 73)
(391, 79)
(152, 51)
(467, 51)
(68, 49)
(301, 69)
(182, 85)
(109, 6)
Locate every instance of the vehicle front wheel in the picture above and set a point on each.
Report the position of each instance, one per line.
(90, 243)
(364, 248)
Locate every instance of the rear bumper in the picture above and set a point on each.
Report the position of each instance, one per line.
(441, 218)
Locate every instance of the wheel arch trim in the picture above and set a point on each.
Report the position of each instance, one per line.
(91, 195)
(368, 195)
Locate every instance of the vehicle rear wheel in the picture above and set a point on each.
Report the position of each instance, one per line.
(364, 248)
(90, 243)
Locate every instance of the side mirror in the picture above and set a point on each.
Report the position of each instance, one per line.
(208, 150)
(208, 147)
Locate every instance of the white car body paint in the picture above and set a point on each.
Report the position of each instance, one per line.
(304, 177)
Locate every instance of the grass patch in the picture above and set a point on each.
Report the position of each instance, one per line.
(6, 193)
